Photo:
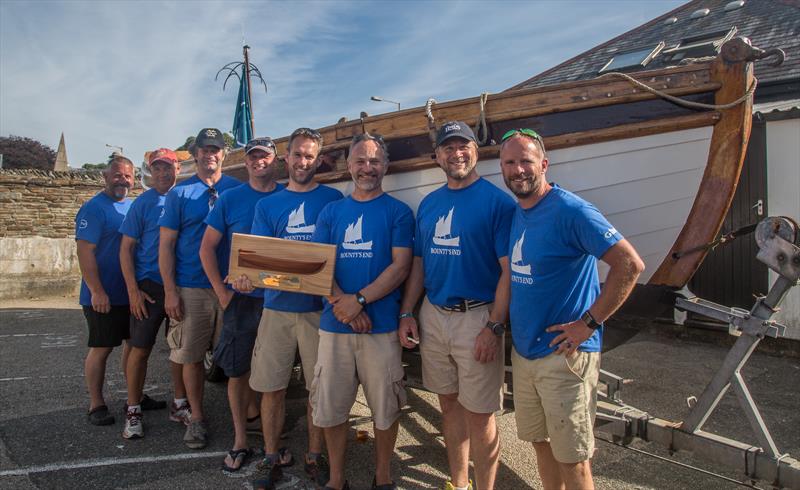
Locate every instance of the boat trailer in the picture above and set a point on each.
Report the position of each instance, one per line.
(778, 239)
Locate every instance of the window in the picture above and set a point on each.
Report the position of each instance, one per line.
(698, 46)
(632, 60)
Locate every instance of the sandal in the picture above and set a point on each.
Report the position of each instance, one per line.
(284, 453)
(240, 456)
(100, 416)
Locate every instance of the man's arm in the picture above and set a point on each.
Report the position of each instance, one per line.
(487, 343)
(625, 267)
(136, 296)
(415, 286)
(166, 266)
(346, 307)
(208, 257)
(91, 276)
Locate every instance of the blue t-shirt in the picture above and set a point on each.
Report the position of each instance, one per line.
(185, 211)
(141, 224)
(233, 213)
(461, 233)
(364, 234)
(553, 259)
(292, 216)
(97, 222)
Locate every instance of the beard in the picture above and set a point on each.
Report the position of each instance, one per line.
(300, 178)
(460, 173)
(522, 185)
(366, 185)
(120, 191)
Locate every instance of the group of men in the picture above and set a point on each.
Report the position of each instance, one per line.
(165, 257)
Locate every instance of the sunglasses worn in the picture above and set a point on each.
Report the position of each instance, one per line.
(525, 131)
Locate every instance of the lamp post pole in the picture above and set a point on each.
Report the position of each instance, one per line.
(381, 99)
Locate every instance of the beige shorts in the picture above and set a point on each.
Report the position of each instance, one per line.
(555, 400)
(190, 338)
(280, 334)
(447, 344)
(344, 361)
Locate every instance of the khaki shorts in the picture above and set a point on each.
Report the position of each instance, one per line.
(280, 334)
(555, 400)
(447, 343)
(344, 361)
(190, 338)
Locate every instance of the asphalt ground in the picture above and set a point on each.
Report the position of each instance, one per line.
(46, 442)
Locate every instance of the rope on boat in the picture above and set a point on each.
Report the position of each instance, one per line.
(678, 100)
(480, 127)
(431, 120)
(722, 240)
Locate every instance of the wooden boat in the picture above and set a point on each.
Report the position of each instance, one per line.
(663, 174)
(249, 258)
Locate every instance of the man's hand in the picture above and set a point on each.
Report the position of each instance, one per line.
(486, 346)
(242, 284)
(100, 301)
(173, 306)
(361, 323)
(137, 298)
(408, 328)
(572, 335)
(346, 307)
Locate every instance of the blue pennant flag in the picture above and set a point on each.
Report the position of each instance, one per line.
(241, 121)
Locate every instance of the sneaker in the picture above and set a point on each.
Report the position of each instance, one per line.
(449, 485)
(267, 475)
(318, 470)
(182, 414)
(385, 486)
(196, 435)
(133, 426)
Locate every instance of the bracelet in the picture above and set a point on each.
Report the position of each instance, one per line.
(405, 315)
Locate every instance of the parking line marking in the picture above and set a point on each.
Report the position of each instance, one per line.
(61, 376)
(25, 335)
(109, 462)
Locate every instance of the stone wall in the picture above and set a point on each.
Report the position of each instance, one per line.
(37, 230)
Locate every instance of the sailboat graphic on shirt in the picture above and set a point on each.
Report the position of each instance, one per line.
(516, 258)
(441, 235)
(352, 237)
(297, 221)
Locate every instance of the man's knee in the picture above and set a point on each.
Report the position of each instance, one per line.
(138, 354)
(449, 403)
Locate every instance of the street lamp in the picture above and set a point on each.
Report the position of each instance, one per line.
(381, 99)
(117, 147)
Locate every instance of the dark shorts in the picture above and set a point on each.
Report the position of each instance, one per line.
(144, 332)
(239, 328)
(108, 329)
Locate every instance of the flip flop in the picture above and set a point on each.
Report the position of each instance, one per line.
(242, 456)
(100, 416)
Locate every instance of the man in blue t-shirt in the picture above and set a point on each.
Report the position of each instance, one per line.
(138, 257)
(193, 308)
(358, 342)
(103, 295)
(557, 310)
(460, 260)
(290, 320)
(233, 213)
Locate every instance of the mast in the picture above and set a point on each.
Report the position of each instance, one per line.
(249, 91)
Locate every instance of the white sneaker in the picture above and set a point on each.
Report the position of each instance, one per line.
(133, 426)
(182, 413)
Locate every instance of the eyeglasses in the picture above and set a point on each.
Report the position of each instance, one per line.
(212, 198)
(525, 131)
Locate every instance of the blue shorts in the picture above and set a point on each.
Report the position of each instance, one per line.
(239, 328)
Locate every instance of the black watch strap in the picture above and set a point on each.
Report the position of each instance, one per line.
(361, 299)
(589, 320)
(497, 328)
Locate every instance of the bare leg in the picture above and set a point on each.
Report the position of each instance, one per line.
(126, 350)
(577, 475)
(95, 373)
(239, 394)
(136, 371)
(176, 371)
(548, 467)
(194, 379)
(336, 440)
(484, 442)
(456, 438)
(384, 450)
(315, 435)
(273, 413)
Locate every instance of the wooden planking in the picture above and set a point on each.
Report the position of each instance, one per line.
(319, 283)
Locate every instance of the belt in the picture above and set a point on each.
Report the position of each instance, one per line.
(465, 305)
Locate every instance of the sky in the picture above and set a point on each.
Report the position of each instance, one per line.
(140, 74)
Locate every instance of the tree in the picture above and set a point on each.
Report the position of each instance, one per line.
(95, 166)
(21, 152)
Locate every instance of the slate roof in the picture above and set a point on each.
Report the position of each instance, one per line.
(768, 24)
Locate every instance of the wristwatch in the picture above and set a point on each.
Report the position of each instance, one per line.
(589, 320)
(361, 299)
(405, 315)
(497, 328)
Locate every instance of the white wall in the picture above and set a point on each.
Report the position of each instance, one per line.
(783, 199)
(38, 266)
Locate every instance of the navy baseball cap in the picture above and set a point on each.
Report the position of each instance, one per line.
(454, 129)
(263, 144)
(210, 137)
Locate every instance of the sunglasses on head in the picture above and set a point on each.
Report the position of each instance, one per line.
(524, 131)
